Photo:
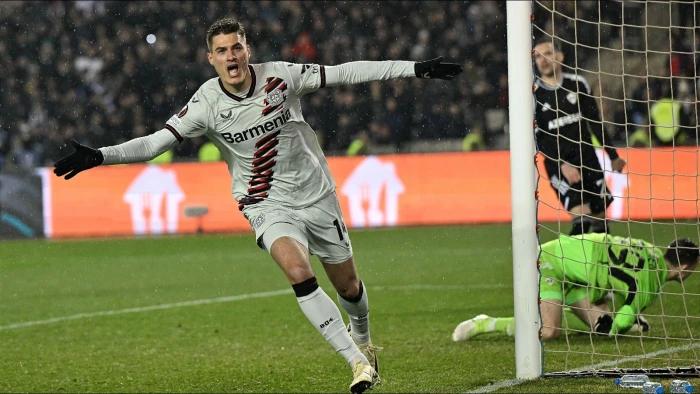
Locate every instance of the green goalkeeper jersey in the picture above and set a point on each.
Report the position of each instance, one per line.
(593, 264)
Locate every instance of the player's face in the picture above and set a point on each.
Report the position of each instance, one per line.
(230, 55)
(547, 59)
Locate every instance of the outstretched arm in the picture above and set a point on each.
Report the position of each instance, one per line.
(140, 149)
(133, 151)
(366, 71)
(625, 284)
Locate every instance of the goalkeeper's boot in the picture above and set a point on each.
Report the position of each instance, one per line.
(369, 350)
(364, 377)
(469, 328)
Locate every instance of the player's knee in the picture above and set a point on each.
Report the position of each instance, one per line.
(547, 333)
(345, 279)
(350, 288)
(298, 272)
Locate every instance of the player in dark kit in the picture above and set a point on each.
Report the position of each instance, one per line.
(566, 116)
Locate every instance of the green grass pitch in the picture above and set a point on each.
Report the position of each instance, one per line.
(108, 337)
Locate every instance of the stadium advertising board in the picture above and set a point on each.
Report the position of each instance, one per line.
(20, 205)
(392, 190)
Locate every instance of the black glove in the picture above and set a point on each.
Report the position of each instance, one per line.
(435, 68)
(603, 324)
(643, 323)
(82, 159)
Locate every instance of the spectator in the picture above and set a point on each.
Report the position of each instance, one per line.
(304, 50)
(669, 120)
(358, 146)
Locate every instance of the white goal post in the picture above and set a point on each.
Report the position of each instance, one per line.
(528, 352)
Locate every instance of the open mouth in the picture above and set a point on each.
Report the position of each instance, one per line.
(233, 70)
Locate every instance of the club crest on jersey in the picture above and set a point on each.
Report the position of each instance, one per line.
(276, 96)
(571, 97)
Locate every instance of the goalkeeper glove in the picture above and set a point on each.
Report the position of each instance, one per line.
(641, 326)
(603, 324)
(435, 68)
(83, 158)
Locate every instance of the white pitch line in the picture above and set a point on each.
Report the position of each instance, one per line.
(670, 350)
(497, 386)
(218, 300)
(205, 301)
(515, 382)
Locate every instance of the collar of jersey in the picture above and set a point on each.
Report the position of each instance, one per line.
(250, 91)
(544, 86)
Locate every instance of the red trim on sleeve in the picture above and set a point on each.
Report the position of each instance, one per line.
(175, 133)
(323, 76)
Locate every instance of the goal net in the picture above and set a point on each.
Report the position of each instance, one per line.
(639, 59)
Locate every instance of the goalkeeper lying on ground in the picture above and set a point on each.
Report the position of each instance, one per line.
(579, 274)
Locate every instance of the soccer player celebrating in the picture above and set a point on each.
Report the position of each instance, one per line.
(566, 114)
(579, 272)
(281, 181)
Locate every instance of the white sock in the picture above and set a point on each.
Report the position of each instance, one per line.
(359, 316)
(325, 316)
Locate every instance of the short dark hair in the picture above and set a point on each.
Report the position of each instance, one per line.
(226, 25)
(682, 251)
(548, 40)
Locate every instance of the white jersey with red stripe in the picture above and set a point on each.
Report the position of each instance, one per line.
(271, 152)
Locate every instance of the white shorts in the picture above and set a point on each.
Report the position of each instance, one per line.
(319, 227)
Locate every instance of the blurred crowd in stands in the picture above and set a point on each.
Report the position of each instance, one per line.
(84, 69)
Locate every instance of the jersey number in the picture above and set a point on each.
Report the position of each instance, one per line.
(623, 276)
(621, 259)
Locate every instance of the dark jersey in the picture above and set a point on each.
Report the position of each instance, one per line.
(566, 115)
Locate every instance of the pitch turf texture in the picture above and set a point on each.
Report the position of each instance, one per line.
(108, 337)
